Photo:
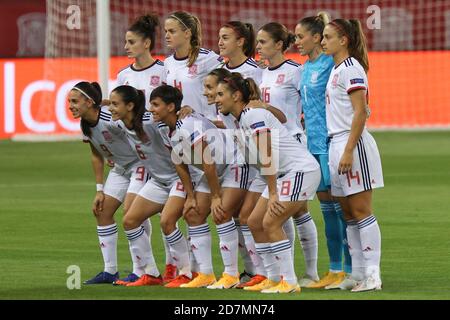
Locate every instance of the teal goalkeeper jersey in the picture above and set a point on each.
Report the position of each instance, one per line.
(312, 87)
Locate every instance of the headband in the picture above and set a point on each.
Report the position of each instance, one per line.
(84, 93)
(181, 21)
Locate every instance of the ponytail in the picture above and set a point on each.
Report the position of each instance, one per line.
(145, 26)
(247, 87)
(279, 32)
(357, 43)
(246, 31)
(315, 25)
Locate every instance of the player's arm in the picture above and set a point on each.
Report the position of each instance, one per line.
(263, 142)
(209, 168)
(358, 99)
(98, 163)
(263, 105)
(185, 177)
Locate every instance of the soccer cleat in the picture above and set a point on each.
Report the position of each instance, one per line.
(132, 277)
(103, 277)
(226, 282)
(283, 287)
(330, 277)
(202, 280)
(252, 282)
(245, 277)
(335, 285)
(368, 284)
(347, 284)
(178, 281)
(266, 284)
(305, 282)
(170, 273)
(146, 280)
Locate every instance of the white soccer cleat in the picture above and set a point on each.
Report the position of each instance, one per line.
(347, 284)
(305, 281)
(368, 284)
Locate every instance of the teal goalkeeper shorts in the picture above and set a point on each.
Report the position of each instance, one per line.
(325, 182)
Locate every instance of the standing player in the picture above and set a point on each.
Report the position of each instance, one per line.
(291, 173)
(198, 143)
(316, 72)
(190, 63)
(145, 73)
(280, 87)
(355, 164)
(107, 141)
(162, 193)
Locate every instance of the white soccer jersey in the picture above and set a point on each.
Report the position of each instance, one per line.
(194, 129)
(280, 87)
(248, 69)
(288, 154)
(109, 139)
(348, 76)
(145, 79)
(190, 79)
(152, 152)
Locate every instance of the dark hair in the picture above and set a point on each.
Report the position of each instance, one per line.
(220, 73)
(247, 87)
(316, 24)
(145, 26)
(92, 91)
(279, 32)
(189, 21)
(130, 94)
(168, 94)
(246, 31)
(357, 43)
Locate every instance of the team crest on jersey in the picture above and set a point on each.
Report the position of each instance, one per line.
(193, 70)
(335, 80)
(280, 79)
(107, 135)
(154, 81)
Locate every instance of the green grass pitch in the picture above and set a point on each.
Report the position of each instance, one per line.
(46, 225)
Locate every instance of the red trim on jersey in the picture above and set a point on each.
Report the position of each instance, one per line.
(261, 131)
(356, 88)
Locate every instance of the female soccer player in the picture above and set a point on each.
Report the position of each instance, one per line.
(316, 72)
(355, 164)
(162, 193)
(145, 73)
(107, 141)
(198, 143)
(280, 87)
(291, 173)
(190, 63)
(237, 44)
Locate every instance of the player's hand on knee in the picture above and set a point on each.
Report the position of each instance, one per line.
(97, 206)
(217, 209)
(276, 208)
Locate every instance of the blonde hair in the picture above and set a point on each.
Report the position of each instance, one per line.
(191, 22)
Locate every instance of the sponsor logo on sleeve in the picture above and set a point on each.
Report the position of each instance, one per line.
(357, 80)
(258, 125)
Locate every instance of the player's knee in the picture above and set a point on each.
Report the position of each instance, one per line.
(129, 222)
(168, 225)
(254, 224)
(269, 225)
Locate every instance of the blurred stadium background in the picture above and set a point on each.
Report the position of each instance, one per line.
(46, 188)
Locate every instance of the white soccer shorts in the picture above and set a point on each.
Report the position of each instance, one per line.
(234, 176)
(159, 192)
(121, 181)
(366, 173)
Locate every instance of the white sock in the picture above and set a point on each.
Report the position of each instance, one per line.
(107, 237)
(179, 252)
(194, 264)
(147, 225)
(201, 247)
(371, 245)
(307, 232)
(248, 263)
(252, 252)
(228, 244)
(141, 252)
(282, 253)
(355, 249)
(169, 259)
(289, 229)
(270, 263)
